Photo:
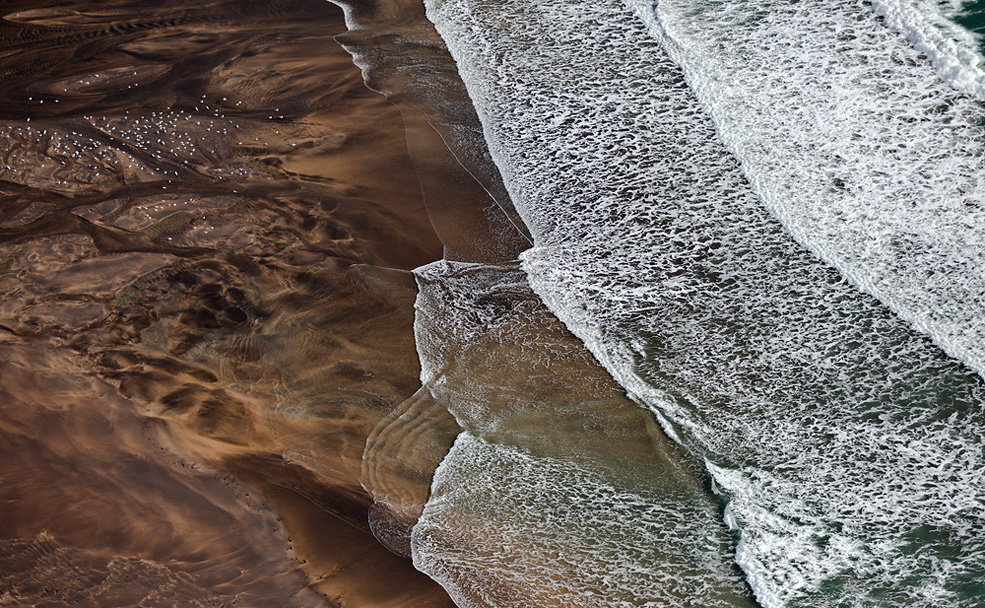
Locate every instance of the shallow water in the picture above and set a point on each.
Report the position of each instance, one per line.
(206, 233)
(560, 491)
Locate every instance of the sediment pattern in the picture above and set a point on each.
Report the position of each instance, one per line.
(207, 225)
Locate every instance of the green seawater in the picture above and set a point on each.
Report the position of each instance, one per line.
(972, 17)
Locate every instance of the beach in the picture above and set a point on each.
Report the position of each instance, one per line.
(207, 228)
(458, 303)
(231, 236)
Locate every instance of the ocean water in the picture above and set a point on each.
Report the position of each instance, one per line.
(870, 159)
(764, 220)
(971, 15)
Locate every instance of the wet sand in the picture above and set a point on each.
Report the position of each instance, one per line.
(206, 228)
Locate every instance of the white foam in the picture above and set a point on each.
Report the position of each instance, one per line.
(848, 445)
(849, 138)
(504, 528)
(929, 25)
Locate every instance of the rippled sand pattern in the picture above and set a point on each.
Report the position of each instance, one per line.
(206, 227)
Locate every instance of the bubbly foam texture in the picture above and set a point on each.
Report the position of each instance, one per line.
(849, 138)
(848, 445)
(505, 528)
(541, 501)
(954, 51)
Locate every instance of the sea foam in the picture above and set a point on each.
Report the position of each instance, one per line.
(848, 445)
(930, 27)
(850, 139)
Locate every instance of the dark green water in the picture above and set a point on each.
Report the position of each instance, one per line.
(973, 18)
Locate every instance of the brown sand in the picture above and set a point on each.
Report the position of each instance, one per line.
(206, 225)
(405, 59)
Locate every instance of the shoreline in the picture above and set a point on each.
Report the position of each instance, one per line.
(253, 252)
